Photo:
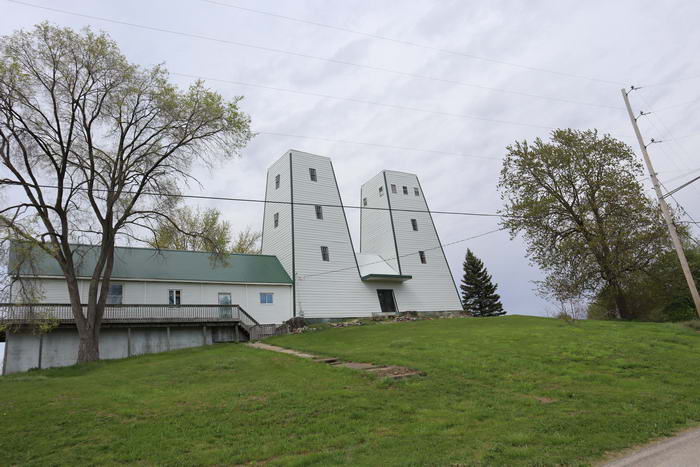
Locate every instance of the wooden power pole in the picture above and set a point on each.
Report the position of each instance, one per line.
(664, 208)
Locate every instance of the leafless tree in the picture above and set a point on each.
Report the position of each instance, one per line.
(95, 149)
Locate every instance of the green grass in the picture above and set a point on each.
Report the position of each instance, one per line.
(512, 390)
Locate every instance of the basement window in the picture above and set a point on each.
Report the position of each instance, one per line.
(421, 254)
(324, 254)
(266, 298)
(381, 191)
(276, 218)
(114, 294)
(416, 191)
(174, 297)
(393, 188)
(414, 224)
(312, 175)
(319, 211)
(405, 190)
(277, 181)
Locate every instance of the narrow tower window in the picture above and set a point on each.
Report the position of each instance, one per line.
(405, 190)
(324, 254)
(381, 191)
(416, 191)
(312, 174)
(277, 219)
(364, 201)
(277, 181)
(422, 256)
(414, 224)
(393, 188)
(319, 212)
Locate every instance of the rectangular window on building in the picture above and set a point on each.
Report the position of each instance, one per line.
(276, 218)
(414, 224)
(393, 188)
(114, 294)
(174, 297)
(364, 201)
(422, 257)
(381, 191)
(277, 181)
(312, 174)
(319, 212)
(324, 254)
(405, 190)
(266, 298)
(416, 191)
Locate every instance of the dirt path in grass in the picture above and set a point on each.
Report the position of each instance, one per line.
(386, 371)
(682, 450)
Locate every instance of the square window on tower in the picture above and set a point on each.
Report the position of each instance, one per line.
(312, 174)
(324, 254)
(416, 191)
(405, 190)
(393, 188)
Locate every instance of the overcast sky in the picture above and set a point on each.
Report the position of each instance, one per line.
(456, 127)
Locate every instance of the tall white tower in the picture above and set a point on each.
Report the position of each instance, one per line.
(406, 237)
(304, 225)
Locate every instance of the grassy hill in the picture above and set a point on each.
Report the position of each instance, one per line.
(514, 390)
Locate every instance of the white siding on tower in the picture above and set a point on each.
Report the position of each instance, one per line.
(278, 240)
(375, 224)
(432, 287)
(325, 288)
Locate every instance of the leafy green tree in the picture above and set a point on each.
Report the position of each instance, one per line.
(95, 148)
(479, 295)
(584, 214)
(247, 242)
(194, 230)
(202, 230)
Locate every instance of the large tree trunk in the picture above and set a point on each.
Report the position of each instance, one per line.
(621, 306)
(89, 347)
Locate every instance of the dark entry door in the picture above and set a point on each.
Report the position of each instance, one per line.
(386, 300)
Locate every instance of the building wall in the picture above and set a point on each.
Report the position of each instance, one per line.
(156, 292)
(278, 240)
(325, 288)
(25, 350)
(329, 289)
(432, 287)
(375, 224)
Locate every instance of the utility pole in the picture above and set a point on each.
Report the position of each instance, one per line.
(664, 207)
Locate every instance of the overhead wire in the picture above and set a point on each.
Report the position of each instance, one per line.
(310, 56)
(414, 44)
(442, 245)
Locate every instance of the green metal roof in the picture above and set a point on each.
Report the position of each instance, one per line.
(175, 265)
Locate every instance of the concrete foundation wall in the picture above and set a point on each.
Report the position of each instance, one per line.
(24, 350)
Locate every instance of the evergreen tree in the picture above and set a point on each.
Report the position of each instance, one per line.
(479, 295)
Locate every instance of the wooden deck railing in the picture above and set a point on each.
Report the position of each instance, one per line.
(27, 313)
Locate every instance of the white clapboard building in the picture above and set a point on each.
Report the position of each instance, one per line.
(400, 266)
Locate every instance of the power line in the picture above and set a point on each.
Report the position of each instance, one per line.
(415, 44)
(257, 200)
(313, 57)
(673, 81)
(368, 102)
(405, 255)
(363, 143)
